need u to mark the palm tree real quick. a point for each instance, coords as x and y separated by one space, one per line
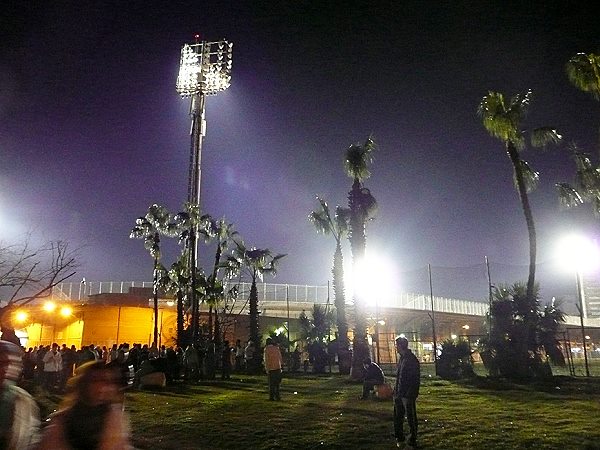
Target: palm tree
523 336
337 226
189 221
503 120
157 221
255 263
223 233
583 71
177 282
314 333
586 186
362 207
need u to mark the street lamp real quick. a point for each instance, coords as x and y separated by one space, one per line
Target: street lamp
204 69
579 254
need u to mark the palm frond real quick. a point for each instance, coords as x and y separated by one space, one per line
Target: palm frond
500 121
568 196
583 71
342 220
542 136
320 221
358 158
530 176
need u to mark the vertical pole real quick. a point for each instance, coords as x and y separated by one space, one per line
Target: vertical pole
433 320
198 130
328 327
118 325
489 277
155 295
377 326
581 313
287 301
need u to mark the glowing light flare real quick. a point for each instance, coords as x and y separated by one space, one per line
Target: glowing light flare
372 279
21 316
49 307
66 311
578 253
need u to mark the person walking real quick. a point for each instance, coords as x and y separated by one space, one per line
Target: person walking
91 416
19 413
408 381
273 365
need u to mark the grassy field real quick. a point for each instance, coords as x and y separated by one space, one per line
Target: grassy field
324 412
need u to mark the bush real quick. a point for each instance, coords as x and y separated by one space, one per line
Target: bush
455 360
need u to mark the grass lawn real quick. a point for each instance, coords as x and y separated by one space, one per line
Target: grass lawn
324 412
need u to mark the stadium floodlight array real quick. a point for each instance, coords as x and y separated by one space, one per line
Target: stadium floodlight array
205 68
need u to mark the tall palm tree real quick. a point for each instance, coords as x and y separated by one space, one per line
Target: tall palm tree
223 233
583 71
338 227
189 222
157 221
255 263
503 120
586 186
362 207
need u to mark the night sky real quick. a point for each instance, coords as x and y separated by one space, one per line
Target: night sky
92 131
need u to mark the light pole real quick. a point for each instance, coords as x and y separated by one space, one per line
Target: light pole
579 254
204 70
581 298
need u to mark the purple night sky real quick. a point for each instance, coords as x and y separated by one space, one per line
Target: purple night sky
93 131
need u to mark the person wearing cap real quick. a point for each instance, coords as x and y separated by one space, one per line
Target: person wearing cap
19 413
408 381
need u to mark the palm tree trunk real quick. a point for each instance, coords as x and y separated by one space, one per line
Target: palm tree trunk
358 243
516 162
180 319
344 361
210 323
254 331
155 298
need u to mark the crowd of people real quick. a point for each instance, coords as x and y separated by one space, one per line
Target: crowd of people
52 366
93 377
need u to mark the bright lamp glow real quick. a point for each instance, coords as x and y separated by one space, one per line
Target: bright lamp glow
204 68
66 311
371 279
49 306
577 253
21 316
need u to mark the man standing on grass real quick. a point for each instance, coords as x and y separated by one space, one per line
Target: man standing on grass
273 364
408 380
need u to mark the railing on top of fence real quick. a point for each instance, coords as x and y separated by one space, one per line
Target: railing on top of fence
273 292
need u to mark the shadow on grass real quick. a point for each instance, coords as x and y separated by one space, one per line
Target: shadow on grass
557 385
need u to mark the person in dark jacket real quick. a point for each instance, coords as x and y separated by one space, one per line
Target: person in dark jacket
373 377
408 381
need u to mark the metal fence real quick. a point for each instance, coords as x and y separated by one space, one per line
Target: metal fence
274 292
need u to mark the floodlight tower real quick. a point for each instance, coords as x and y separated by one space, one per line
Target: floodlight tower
204 70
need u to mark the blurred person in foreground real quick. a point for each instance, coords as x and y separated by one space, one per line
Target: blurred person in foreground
19 414
91 415
408 381
273 365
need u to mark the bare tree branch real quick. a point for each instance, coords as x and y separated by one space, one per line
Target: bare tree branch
27 273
